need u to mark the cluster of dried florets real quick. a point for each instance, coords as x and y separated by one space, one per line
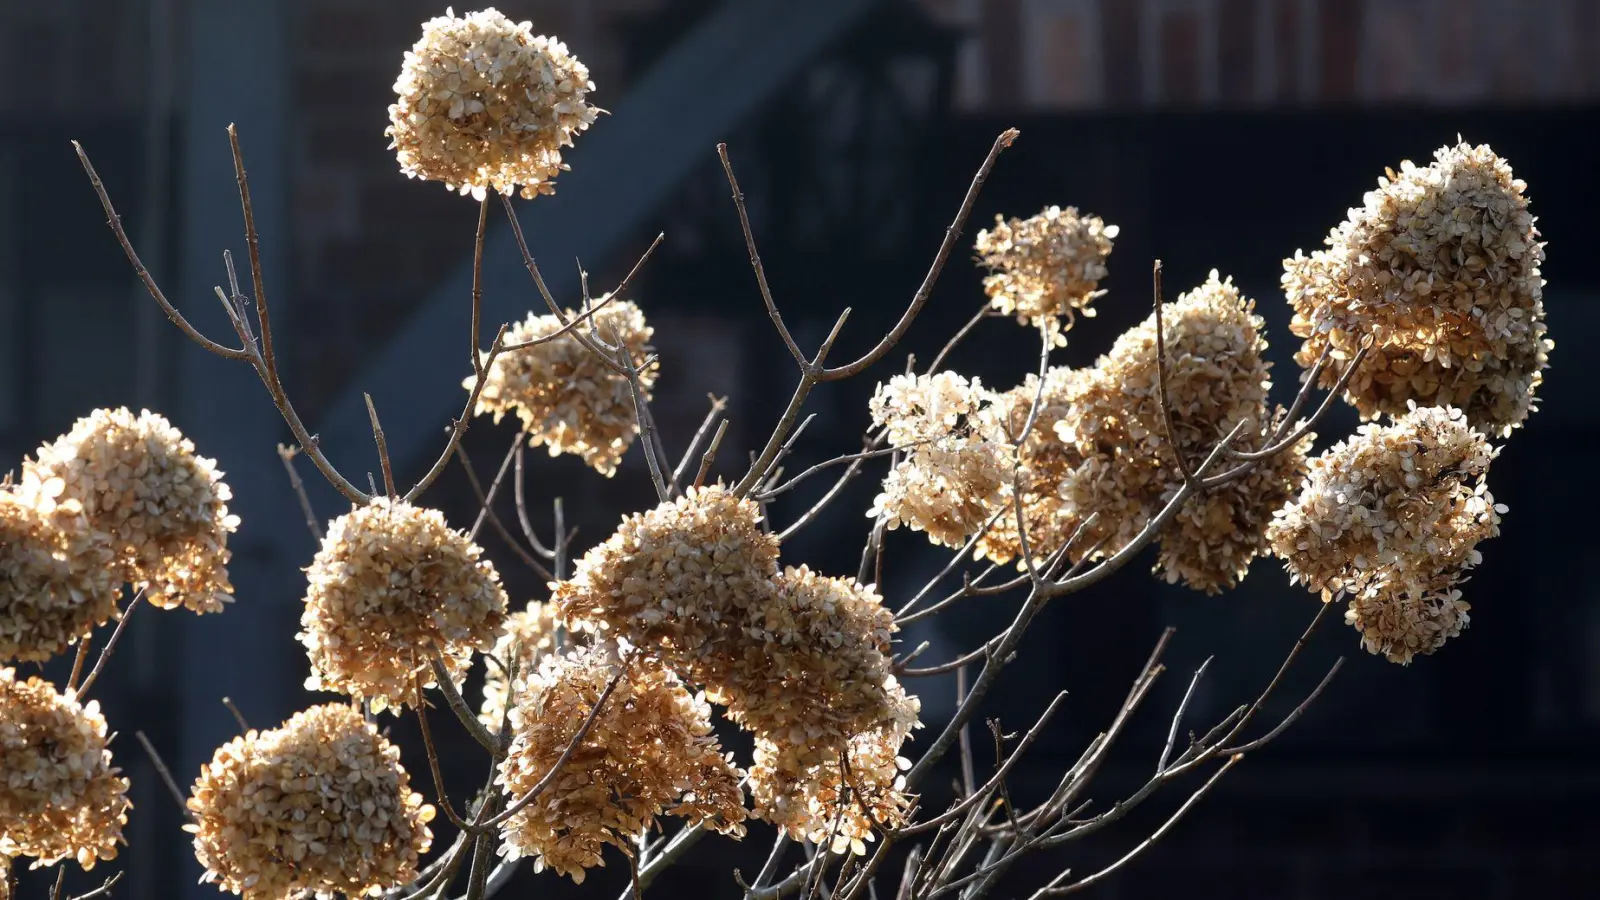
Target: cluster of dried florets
650 752
320 804
56 582
162 508
1098 463
484 104
1045 464
798 658
1392 518
951 476
838 797
391 584
1440 271
60 796
530 636
569 399
1046 267
679 580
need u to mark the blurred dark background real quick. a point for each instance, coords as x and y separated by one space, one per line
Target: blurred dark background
1217 133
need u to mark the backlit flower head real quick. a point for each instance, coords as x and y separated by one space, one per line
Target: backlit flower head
1046 267
320 804
1439 271
56 582
390 582
485 104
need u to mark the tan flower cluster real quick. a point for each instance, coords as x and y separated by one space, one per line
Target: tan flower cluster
534 632
677 581
320 804
60 796
1392 518
1046 463
650 752
390 581
568 398
812 669
1045 267
163 509
484 104
56 582
1440 270
838 799
799 659
951 476
1099 445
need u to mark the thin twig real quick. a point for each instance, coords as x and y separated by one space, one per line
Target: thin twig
458 428
1177 718
111 644
78 660
486 508
755 260
383 447
477 286
441 677
522 506
238 717
710 454
103 890
287 453
718 404
164 772
951 235
1161 378
433 758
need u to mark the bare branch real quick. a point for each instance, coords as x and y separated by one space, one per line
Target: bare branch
238 717
111 644
718 404
286 453
164 772
477 287
710 454
1161 379
921 297
115 221
383 447
1177 718
459 427
755 260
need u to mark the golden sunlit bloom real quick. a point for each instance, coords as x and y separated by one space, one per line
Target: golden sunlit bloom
162 508
1047 267
1439 270
533 632
651 752
566 397
390 582
56 581
60 796
1391 518
320 804
485 104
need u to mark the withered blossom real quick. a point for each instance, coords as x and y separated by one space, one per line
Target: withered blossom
650 752
162 508
60 796
1391 517
1439 271
391 581
1046 268
56 581
320 804
531 635
566 397
485 104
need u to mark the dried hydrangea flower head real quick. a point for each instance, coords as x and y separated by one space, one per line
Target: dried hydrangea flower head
810 668
839 801
60 797
56 582
320 804
1046 463
1217 376
163 508
1046 267
485 104
531 635
1392 518
1440 270
390 581
950 477
650 752
567 398
676 580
